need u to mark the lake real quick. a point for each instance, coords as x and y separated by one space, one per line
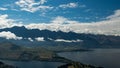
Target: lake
33 64
107 58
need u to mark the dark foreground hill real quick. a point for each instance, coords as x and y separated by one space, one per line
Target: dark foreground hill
3 65
77 65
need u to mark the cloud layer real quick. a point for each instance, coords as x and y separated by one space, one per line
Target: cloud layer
110 26
8 35
40 39
62 40
5 22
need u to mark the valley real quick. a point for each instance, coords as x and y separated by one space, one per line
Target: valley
10 51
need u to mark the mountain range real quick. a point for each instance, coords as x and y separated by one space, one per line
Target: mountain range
50 37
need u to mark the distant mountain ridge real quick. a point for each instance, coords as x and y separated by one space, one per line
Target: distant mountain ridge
88 39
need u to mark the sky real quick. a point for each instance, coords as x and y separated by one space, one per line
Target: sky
80 16
36 11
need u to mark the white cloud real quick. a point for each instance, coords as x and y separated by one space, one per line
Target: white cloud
3 9
59 20
42 1
50 39
5 22
69 5
30 39
111 26
62 40
40 39
9 35
32 6
114 16
59 23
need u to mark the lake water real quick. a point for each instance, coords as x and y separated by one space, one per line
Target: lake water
107 58
33 64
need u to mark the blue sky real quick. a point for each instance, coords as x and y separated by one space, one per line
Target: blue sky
77 10
79 16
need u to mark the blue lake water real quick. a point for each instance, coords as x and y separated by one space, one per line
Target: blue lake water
108 58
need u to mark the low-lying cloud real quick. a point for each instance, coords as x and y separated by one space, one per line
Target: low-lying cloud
63 40
8 35
39 39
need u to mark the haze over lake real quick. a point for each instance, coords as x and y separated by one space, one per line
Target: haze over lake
108 58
